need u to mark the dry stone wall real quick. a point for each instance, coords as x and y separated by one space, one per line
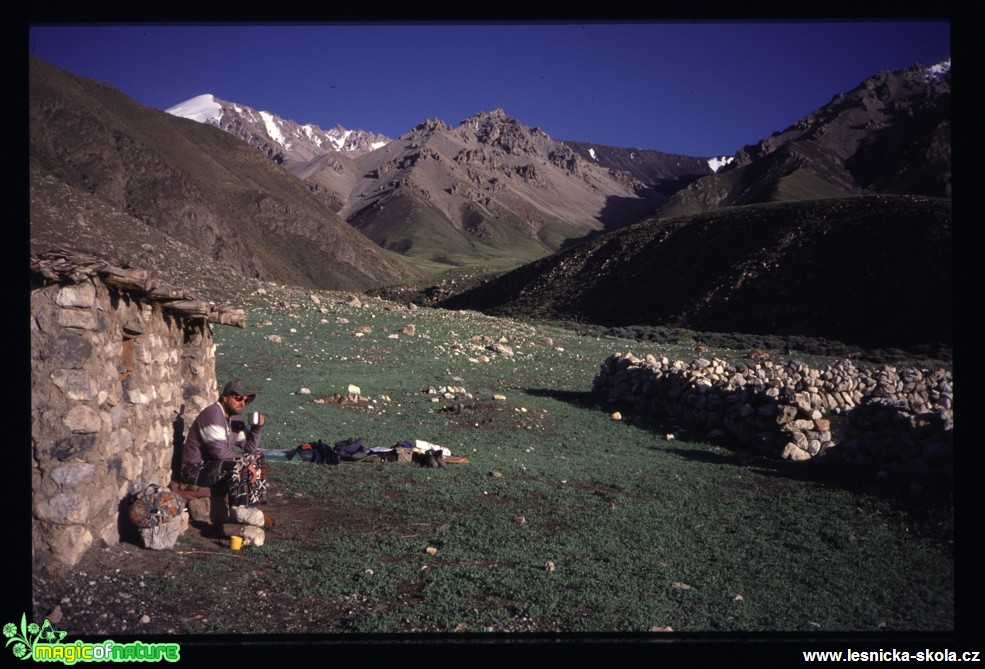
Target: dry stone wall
115 381
899 421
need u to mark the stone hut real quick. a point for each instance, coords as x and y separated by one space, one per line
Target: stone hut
120 361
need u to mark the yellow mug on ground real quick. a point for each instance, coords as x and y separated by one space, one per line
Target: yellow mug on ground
235 542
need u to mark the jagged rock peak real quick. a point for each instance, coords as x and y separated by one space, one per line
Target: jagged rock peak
497 114
498 117
426 129
496 128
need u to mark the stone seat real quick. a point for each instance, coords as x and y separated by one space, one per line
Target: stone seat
205 504
211 505
189 491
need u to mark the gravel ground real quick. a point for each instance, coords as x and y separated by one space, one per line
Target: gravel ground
129 590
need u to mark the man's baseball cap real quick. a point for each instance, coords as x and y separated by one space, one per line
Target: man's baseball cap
238 387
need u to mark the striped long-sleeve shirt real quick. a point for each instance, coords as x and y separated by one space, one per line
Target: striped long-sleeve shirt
213 436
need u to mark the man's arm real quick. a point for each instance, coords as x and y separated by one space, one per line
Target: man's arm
247 438
252 442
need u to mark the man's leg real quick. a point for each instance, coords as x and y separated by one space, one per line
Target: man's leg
248 480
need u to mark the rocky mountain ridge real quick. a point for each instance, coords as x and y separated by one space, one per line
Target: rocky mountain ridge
890 134
665 172
490 187
493 188
281 140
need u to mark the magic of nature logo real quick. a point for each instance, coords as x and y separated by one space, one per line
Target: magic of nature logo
44 643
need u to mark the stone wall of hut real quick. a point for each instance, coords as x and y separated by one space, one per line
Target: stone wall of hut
897 421
115 380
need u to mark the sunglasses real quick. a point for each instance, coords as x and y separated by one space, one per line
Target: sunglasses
241 398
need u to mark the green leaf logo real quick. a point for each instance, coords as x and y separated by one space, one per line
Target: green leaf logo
24 638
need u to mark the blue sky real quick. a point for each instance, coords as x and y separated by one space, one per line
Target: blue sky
695 88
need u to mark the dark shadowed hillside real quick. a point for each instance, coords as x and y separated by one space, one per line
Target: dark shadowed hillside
192 182
872 271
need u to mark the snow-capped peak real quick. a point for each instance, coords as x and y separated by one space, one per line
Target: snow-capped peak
271 123
718 162
202 108
939 70
272 134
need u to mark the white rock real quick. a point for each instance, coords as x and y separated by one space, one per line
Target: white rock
254 536
247 515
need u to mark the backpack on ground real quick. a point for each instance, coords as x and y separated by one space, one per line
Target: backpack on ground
157 514
318 452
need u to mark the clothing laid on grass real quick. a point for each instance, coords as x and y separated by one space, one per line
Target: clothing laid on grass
353 450
209 456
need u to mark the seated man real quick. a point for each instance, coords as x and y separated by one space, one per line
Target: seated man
208 457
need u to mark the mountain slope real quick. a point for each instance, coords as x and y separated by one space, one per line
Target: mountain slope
196 184
873 271
891 134
664 173
491 189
